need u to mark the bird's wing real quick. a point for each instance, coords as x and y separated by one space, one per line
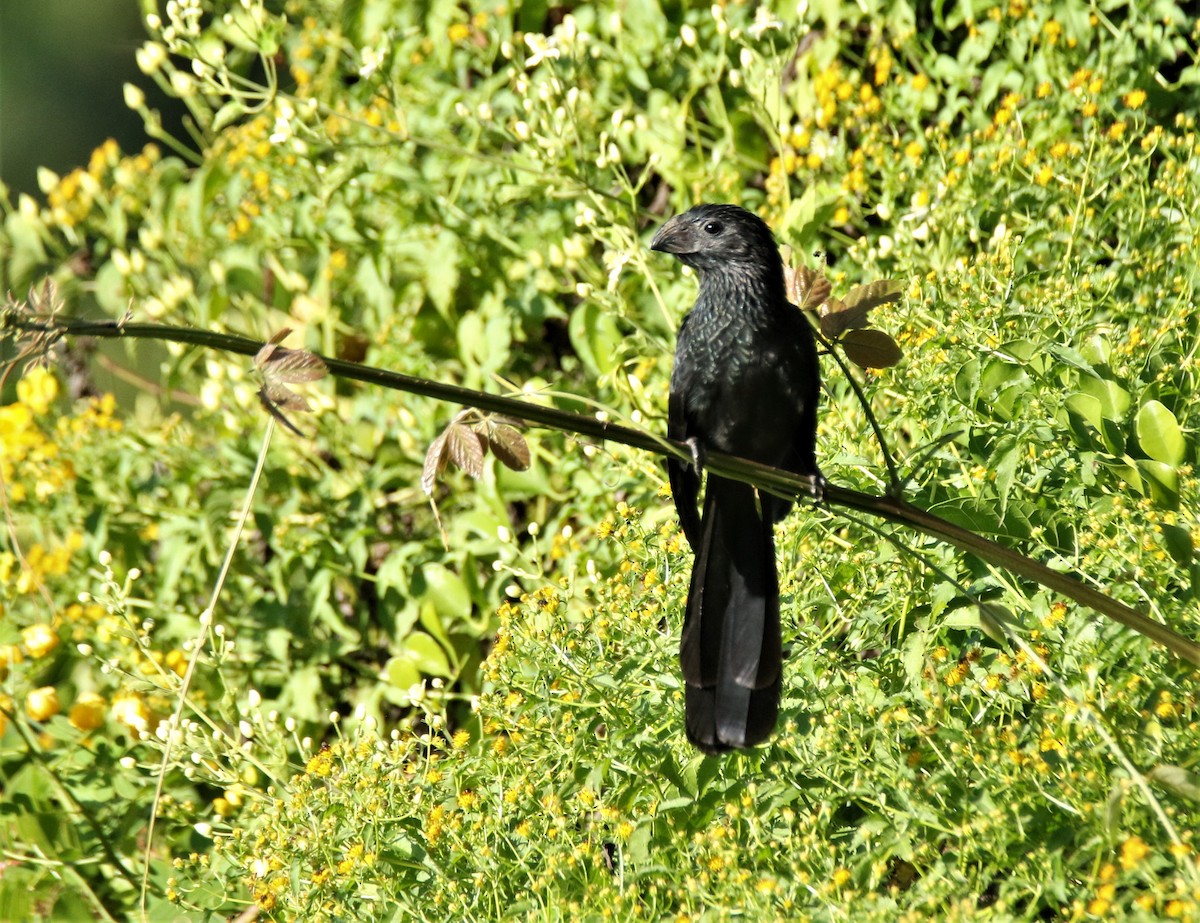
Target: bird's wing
684 478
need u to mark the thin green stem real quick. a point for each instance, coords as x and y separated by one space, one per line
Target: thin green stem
175 726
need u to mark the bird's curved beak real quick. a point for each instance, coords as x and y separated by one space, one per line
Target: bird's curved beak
671 237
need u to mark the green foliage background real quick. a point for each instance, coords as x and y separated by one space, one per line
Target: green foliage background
385 726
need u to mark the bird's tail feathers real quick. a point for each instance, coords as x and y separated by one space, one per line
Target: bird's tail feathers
730 650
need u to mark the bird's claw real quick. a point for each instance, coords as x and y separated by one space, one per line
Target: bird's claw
817 487
698 453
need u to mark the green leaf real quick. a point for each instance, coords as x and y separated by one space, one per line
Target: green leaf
446 590
1182 782
441 271
1159 434
227 114
1114 400
595 336
1179 543
1088 407
427 655
401 673
1162 482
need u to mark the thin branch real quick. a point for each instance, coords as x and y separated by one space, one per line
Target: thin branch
774 480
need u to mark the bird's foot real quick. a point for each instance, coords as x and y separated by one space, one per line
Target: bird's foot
817 487
698 453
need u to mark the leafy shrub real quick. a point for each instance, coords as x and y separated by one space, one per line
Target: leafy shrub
461 192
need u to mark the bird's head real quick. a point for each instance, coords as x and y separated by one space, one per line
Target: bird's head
719 238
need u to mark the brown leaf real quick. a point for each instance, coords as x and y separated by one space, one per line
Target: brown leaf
279 367
509 446
835 323
806 288
873 294
263 356
871 349
293 365
851 313
435 463
273 400
465 447
284 398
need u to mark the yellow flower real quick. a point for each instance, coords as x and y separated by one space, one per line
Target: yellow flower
9 654
39 640
1135 99
37 390
87 713
840 877
321 763
42 704
176 661
131 711
1133 851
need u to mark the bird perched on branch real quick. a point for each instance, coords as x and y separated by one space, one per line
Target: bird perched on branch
745 383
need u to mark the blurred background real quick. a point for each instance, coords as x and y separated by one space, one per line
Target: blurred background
62 67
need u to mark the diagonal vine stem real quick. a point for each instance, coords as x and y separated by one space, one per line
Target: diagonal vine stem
792 486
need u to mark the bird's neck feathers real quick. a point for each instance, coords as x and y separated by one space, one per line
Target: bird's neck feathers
753 288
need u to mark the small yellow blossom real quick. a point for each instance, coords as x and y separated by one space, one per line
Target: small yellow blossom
1133 851
37 390
130 710
9 654
39 640
42 704
87 713
1134 99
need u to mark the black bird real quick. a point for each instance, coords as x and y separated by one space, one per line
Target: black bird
745 383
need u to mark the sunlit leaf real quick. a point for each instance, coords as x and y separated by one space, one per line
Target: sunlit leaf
427 655
1114 400
806 288
1159 434
284 398
435 463
851 312
871 349
873 294
295 365
279 367
465 448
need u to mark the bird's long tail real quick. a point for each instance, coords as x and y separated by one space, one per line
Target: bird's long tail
730 650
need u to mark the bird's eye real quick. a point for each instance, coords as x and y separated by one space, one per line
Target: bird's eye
713 227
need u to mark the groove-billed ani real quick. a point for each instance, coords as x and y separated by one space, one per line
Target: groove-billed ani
745 383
